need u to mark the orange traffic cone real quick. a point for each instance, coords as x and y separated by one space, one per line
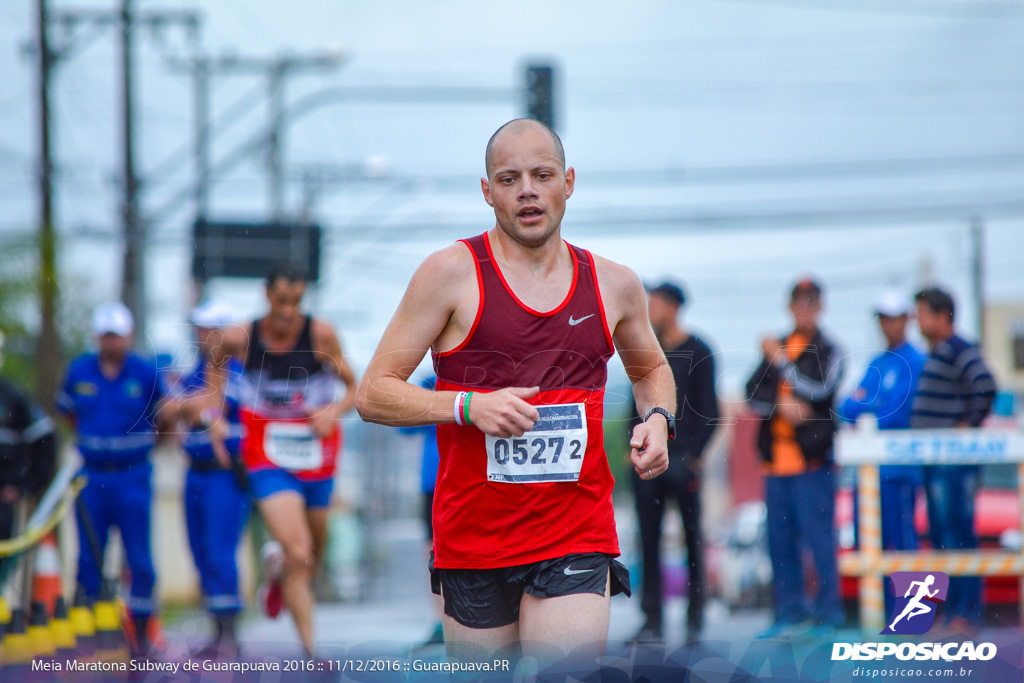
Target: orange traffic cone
46 586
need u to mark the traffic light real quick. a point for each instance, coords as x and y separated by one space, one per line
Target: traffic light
540 103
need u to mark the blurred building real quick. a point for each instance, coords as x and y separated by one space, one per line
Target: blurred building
1004 344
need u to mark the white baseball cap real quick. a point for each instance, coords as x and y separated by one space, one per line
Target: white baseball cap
112 317
893 303
212 314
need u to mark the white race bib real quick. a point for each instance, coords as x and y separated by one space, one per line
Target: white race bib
293 446
551 451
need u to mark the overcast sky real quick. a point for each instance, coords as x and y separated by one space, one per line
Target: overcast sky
788 120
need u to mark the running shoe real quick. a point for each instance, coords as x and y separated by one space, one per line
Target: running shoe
269 595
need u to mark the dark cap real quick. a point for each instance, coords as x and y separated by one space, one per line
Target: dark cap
806 287
670 291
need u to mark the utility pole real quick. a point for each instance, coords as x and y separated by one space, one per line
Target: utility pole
200 68
978 273
48 356
201 94
126 20
275 132
276 71
133 283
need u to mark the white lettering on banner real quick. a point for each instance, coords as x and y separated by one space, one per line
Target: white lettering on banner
930 447
293 446
939 449
552 451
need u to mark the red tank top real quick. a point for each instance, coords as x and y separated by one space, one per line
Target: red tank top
506 502
276 393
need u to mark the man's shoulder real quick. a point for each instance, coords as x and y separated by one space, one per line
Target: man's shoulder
441 274
951 349
455 259
606 266
616 280
700 347
137 362
823 341
142 368
911 353
958 345
83 364
320 329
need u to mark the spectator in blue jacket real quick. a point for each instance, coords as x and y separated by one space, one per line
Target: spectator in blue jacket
887 393
112 397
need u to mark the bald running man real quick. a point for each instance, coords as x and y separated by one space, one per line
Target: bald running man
521 325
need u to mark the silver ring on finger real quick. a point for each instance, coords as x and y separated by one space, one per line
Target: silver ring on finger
650 475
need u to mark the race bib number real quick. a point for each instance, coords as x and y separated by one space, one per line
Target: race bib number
552 451
293 446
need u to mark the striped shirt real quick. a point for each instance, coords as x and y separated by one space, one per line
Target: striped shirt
955 387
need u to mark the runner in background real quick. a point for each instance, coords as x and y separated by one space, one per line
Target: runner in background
216 500
295 387
112 398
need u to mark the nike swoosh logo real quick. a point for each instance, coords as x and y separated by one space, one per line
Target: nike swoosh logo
569 571
574 323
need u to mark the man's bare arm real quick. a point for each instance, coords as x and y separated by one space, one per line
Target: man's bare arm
427 311
234 343
653 384
326 343
384 395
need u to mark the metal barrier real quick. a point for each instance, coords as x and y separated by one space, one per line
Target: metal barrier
868 448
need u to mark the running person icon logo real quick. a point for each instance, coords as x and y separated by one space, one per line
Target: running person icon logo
917 597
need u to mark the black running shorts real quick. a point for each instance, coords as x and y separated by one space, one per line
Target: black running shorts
489 598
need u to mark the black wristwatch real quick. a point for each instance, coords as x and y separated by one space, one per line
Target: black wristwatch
669 417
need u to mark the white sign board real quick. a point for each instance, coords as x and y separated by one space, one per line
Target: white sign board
930 447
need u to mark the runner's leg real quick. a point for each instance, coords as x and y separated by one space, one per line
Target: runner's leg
477 644
317 518
565 624
285 516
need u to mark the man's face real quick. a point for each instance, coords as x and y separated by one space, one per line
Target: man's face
805 310
113 346
933 325
528 185
661 311
285 298
894 328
